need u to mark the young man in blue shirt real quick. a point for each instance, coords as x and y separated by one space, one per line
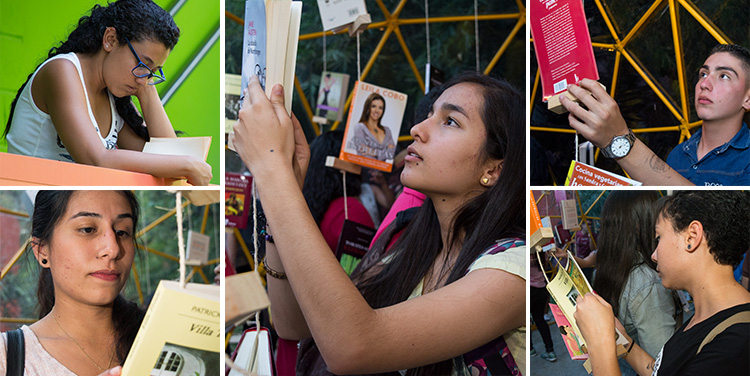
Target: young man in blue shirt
717 154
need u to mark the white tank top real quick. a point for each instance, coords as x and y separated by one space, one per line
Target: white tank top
32 132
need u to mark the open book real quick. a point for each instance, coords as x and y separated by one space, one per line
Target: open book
181 331
196 147
270 44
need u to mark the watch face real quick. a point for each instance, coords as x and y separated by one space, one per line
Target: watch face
620 147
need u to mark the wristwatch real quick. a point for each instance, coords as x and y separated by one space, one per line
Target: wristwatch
620 146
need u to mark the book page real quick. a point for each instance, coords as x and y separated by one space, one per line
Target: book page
196 147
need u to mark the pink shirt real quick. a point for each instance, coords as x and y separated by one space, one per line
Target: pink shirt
408 198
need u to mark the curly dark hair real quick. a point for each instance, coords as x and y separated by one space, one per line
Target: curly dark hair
324 184
725 216
136 20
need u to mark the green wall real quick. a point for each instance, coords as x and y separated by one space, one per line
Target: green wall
28 29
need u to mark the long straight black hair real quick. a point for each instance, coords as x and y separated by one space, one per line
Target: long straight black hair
49 207
626 241
136 20
494 214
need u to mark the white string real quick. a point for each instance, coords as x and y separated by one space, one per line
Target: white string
180 241
255 228
359 69
325 57
427 27
346 205
476 32
576 146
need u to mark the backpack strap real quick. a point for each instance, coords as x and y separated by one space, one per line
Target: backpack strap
496 355
15 355
737 318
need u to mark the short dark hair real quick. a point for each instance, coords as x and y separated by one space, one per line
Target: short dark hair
725 216
741 53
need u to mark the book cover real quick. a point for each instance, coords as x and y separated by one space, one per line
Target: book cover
197 248
338 14
354 242
569 213
562 44
373 126
574 344
237 199
581 174
253 353
245 295
331 97
181 333
232 102
254 43
196 147
272 56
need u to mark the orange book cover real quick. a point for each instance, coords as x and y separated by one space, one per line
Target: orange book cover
581 174
364 146
535 221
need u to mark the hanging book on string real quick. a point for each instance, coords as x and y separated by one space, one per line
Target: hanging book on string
337 15
562 45
331 97
373 126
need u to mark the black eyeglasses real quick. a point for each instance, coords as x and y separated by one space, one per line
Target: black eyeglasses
142 70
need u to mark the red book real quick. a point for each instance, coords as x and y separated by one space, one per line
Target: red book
562 44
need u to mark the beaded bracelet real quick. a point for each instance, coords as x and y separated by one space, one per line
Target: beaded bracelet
273 273
264 233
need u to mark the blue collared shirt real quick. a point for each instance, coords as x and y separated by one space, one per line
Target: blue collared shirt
728 164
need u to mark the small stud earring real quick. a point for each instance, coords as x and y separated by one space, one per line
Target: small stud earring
688 246
44 261
485 180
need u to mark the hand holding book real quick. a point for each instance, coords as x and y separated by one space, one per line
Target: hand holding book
595 320
600 120
266 137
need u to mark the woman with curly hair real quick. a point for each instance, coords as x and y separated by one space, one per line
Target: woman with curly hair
700 237
76 106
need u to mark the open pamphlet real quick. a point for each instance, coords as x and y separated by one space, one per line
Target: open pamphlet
565 287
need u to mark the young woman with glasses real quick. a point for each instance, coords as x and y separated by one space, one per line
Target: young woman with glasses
76 106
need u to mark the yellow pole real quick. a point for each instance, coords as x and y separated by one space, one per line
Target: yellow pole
369 65
658 4
205 219
243 245
706 22
409 59
501 51
674 18
533 91
137 281
306 104
15 258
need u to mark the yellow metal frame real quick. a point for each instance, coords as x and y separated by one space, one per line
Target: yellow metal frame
136 278
680 110
390 26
